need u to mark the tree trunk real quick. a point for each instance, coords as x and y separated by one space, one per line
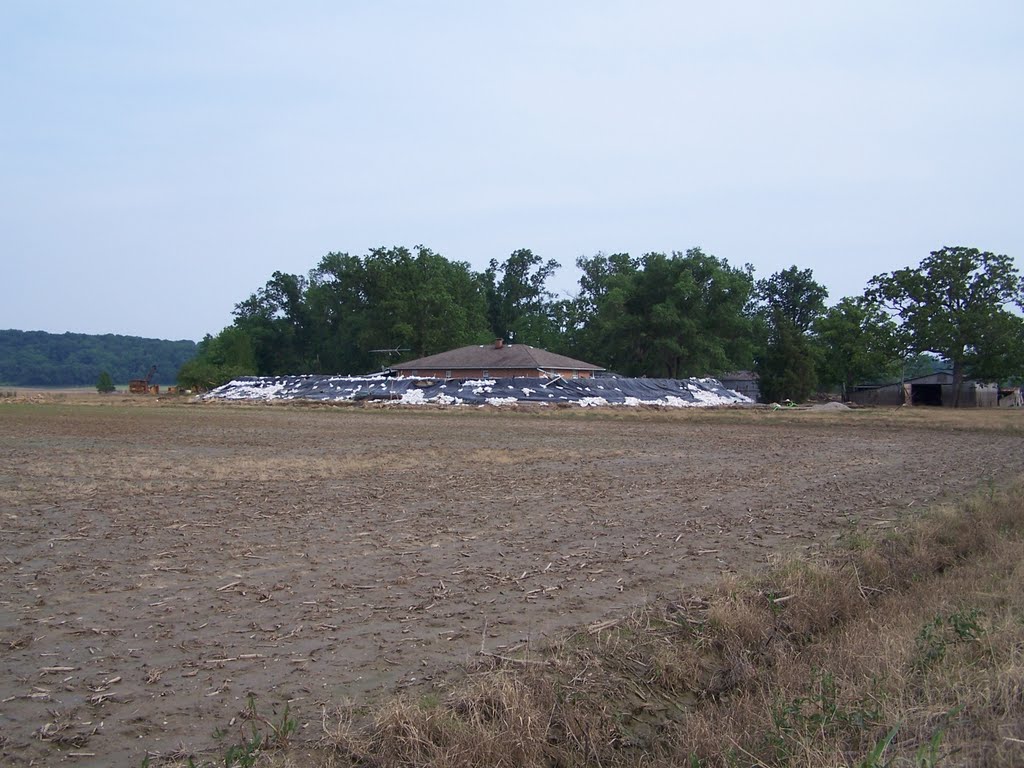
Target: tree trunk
904 400
958 378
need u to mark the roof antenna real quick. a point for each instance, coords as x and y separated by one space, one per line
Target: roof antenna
389 353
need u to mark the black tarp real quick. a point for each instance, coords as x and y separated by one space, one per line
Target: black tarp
413 391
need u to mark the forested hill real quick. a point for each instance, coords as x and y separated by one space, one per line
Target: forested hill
37 358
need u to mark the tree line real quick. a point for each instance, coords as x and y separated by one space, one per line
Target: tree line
41 359
670 315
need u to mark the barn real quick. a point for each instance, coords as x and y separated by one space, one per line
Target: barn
497 360
934 389
747 383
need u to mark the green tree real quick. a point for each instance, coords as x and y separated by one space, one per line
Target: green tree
795 295
219 359
790 303
37 358
673 316
421 301
565 329
956 304
408 302
997 353
414 302
587 319
339 302
786 367
104 383
922 364
276 319
858 342
519 305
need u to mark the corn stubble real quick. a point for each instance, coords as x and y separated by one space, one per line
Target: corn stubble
903 650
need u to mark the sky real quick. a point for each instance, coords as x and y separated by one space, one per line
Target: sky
160 160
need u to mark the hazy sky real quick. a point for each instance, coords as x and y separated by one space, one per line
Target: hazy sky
159 160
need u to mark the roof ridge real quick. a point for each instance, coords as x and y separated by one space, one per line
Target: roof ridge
488 356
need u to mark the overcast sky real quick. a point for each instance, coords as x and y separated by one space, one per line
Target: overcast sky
159 160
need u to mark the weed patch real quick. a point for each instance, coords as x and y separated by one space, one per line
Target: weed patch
257 735
941 632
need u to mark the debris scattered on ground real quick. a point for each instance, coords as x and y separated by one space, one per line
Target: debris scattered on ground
163 564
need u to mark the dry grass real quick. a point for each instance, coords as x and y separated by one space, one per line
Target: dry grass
902 651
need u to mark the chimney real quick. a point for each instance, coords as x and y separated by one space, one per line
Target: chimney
499 343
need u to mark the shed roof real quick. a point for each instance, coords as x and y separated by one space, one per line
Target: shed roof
936 377
739 376
492 358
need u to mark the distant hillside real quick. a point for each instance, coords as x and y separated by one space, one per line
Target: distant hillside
40 359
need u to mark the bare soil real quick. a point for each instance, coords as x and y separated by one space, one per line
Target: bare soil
162 561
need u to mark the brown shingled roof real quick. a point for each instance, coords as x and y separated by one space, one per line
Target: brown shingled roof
491 358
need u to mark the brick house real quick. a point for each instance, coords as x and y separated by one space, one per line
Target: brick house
497 360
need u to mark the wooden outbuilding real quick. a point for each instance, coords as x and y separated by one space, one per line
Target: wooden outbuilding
497 360
747 383
934 389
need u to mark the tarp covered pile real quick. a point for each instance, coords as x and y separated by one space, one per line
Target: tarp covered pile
679 393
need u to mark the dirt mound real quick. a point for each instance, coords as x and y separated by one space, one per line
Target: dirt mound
830 407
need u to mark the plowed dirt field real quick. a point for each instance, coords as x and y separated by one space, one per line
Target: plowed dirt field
160 563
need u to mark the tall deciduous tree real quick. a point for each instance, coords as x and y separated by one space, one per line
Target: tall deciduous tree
414 302
956 304
666 315
786 366
998 352
518 300
858 341
277 321
795 295
790 302
587 316
421 302
339 300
